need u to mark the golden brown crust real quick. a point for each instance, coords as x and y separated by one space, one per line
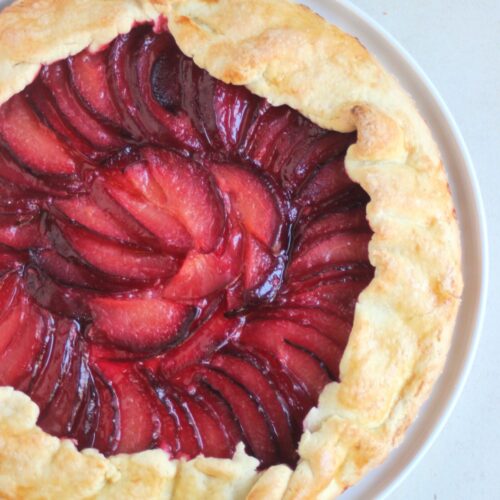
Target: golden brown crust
403 320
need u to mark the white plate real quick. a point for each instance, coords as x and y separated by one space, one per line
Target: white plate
464 186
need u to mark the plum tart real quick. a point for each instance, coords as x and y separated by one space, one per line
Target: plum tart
229 260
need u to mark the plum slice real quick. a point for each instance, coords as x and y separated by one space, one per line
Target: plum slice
254 381
310 147
72 273
287 387
89 77
258 263
56 365
137 414
130 67
86 212
327 182
338 298
328 223
11 260
18 360
256 428
203 274
12 308
19 177
59 416
324 322
140 195
141 324
85 425
108 430
212 439
186 431
268 126
116 259
335 249
34 144
220 408
50 295
56 78
44 104
234 108
22 235
300 352
255 202
191 196
201 343
158 55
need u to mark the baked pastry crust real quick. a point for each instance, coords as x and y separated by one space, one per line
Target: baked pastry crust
404 319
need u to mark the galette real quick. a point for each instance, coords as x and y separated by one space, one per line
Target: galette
229 258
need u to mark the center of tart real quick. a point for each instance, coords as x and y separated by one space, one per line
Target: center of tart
180 260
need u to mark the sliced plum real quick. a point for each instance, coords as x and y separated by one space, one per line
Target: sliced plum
141 196
254 200
338 298
18 360
335 249
200 344
212 439
33 143
203 274
138 417
179 260
191 196
324 322
265 131
314 147
326 183
89 77
117 259
10 287
11 260
302 355
71 272
22 235
86 212
218 407
57 363
108 428
45 106
48 294
141 324
187 433
234 108
257 430
85 426
286 385
56 77
253 380
168 123
258 263
59 416
168 436
23 181
328 223
13 309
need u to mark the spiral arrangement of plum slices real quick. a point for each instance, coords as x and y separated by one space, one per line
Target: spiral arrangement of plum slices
180 260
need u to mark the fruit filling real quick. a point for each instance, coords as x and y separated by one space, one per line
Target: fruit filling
180 260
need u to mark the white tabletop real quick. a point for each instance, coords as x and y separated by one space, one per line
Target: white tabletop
457 43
